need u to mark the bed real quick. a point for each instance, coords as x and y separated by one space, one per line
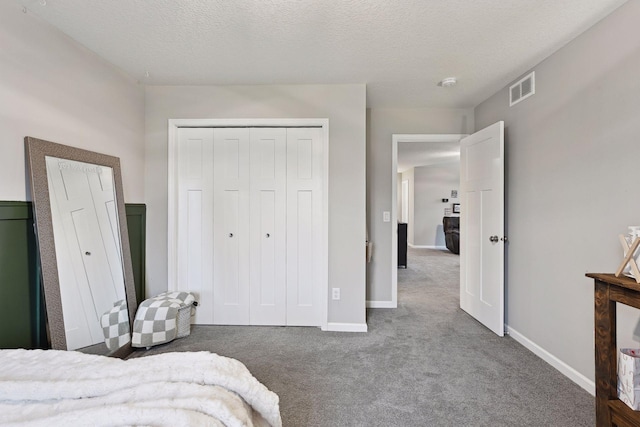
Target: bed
53 387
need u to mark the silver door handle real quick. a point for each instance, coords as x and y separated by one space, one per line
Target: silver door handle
494 239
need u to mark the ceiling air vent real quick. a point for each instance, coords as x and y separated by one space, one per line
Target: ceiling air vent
522 89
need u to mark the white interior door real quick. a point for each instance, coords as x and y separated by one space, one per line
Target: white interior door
304 226
231 226
268 226
482 226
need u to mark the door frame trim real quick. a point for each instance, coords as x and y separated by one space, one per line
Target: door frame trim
172 205
395 139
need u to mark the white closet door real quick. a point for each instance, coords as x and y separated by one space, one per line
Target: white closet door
195 218
268 226
304 226
231 240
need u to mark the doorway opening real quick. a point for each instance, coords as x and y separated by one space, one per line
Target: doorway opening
437 155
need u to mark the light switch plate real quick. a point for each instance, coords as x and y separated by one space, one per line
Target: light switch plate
386 216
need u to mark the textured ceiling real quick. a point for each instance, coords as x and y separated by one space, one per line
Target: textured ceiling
399 48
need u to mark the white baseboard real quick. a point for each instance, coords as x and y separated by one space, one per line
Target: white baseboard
347 327
381 304
552 360
425 246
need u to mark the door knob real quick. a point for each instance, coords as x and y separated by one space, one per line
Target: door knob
230 234
87 253
494 239
268 235
504 239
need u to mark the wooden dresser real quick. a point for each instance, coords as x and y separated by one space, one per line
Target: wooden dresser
608 290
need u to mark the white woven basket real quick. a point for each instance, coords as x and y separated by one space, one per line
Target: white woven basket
184 320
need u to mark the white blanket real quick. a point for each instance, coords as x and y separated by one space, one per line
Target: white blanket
51 388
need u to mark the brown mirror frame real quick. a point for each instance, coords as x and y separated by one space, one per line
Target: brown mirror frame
37 150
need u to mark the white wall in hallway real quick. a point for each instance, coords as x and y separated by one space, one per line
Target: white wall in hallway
408 176
432 184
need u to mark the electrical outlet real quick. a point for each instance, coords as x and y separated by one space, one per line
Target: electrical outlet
335 293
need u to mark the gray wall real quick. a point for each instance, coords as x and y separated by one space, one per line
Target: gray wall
53 88
431 184
343 105
572 157
381 124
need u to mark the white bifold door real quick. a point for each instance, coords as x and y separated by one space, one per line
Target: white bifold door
249 224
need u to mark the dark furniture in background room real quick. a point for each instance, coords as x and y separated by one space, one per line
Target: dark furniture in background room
402 245
451 226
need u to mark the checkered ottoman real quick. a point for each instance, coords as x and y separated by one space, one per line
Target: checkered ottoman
157 319
115 325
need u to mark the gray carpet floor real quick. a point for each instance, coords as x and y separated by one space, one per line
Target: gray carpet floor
426 363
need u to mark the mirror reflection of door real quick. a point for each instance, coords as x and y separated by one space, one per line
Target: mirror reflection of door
89 257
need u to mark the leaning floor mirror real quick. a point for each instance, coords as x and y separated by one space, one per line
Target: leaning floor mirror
83 242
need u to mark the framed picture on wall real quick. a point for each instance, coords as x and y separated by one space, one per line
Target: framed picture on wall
456 208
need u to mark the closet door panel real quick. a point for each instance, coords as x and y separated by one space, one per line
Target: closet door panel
229 265
304 226
304 249
265 276
231 239
193 254
195 213
268 239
